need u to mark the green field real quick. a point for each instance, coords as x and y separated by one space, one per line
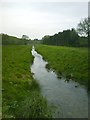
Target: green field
0 81
21 96
69 62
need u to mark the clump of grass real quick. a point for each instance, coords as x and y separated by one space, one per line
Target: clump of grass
48 67
21 96
34 106
68 61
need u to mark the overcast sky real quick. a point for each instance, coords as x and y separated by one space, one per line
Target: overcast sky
37 19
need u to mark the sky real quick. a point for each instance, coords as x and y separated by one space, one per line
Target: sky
39 18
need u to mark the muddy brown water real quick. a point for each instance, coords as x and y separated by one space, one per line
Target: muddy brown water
69 101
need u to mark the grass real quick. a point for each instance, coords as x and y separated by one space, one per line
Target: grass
0 81
21 96
69 62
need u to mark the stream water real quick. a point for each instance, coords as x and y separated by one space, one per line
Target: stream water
70 101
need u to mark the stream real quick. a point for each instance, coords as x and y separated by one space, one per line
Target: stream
69 101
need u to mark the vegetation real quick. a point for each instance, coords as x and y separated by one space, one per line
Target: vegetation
66 38
0 81
11 40
25 37
36 41
21 96
84 27
69 62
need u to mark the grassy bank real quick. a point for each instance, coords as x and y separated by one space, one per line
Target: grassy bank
67 61
20 92
0 81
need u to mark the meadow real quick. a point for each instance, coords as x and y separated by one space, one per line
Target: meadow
0 81
21 97
69 62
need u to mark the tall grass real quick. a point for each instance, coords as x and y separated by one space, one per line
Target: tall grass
0 80
67 61
20 92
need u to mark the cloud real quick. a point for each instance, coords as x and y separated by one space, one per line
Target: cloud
37 19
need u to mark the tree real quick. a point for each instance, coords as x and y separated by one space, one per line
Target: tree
45 39
65 38
25 37
84 27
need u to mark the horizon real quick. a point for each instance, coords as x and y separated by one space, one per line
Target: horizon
37 19
34 38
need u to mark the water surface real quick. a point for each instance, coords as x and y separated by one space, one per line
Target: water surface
70 101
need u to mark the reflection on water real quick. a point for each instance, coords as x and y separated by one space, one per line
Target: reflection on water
71 101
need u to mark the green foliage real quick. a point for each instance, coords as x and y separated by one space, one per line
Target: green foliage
83 42
21 96
25 37
36 41
65 38
84 27
69 62
11 40
0 81
33 107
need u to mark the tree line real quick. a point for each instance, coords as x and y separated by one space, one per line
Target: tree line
66 38
75 38
11 40
70 37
